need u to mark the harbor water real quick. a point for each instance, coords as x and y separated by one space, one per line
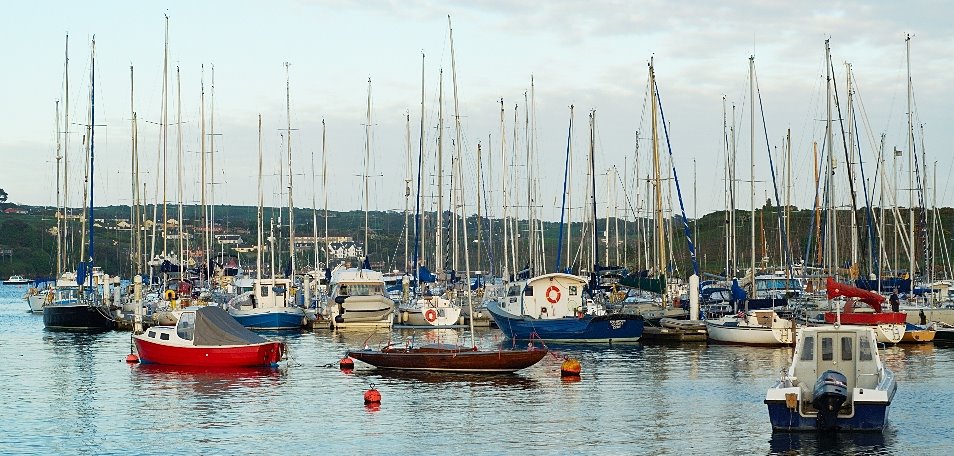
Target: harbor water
73 393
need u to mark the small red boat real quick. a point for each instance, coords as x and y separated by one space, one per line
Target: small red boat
207 337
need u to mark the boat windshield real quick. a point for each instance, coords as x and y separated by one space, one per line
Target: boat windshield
186 327
780 283
361 289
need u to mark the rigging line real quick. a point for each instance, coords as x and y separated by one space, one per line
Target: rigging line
787 253
685 222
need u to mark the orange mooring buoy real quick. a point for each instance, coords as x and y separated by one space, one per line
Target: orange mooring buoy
346 363
570 368
132 358
372 396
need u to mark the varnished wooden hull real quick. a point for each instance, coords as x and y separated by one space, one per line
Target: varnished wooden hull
450 360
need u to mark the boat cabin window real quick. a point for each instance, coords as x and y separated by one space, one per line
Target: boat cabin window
828 349
808 349
263 290
164 336
864 349
528 291
846 349
513 290
152 334
186 327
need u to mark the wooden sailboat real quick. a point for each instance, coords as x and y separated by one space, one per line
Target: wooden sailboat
452 358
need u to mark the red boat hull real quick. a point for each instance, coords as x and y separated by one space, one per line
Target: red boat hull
868 318
254 355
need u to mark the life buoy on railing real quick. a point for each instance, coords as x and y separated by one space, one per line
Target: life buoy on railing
170 295
430 315
555 290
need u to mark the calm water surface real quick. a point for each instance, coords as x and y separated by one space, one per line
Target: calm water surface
74 394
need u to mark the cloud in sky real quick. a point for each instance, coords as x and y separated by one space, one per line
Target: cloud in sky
593 55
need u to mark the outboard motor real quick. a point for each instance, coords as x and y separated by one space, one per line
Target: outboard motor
830 393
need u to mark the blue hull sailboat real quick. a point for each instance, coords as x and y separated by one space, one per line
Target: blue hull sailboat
552 307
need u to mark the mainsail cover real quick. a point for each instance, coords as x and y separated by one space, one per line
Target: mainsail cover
651 284
215 327
836 289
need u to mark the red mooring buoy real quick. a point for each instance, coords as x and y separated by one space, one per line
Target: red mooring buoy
372 396
570 368
132 358
346 363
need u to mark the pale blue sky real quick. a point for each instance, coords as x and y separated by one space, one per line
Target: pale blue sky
589 54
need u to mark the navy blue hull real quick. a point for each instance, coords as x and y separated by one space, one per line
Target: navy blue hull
276 319
77 317
589 328
867 417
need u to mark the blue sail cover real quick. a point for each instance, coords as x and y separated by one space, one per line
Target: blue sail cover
426 276
738 293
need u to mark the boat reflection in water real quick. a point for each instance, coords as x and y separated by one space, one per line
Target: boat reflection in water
833 443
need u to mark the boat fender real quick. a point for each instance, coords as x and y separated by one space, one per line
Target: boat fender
570 368
430 315
555 291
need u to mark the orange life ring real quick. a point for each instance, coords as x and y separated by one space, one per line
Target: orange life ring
555 289
430 315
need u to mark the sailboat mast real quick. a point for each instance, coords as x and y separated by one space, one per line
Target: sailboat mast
179 168
258 210
324 187
407 189
66 150
291 203
92 156
910 134
752 167
593 241
314 208
205 208
831 247
59 227
367 164
659 222
504 178
418 217
133 205
439 233
165 142
212 182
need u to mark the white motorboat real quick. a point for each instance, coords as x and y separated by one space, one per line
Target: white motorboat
836 382
356 298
